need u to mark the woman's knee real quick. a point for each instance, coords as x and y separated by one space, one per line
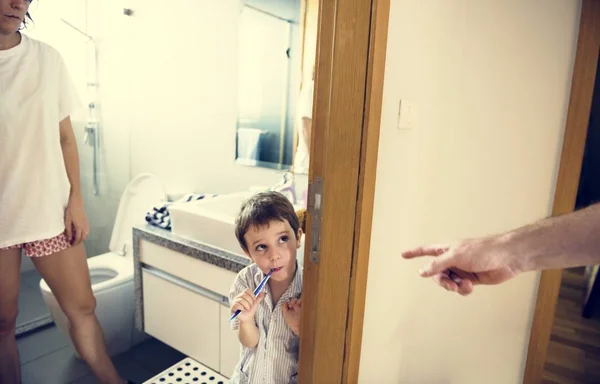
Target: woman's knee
80 308
8 320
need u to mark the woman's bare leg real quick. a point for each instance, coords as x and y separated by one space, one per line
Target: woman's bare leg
10 275
67 275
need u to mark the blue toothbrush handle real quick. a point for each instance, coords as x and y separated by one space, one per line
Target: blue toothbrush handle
255 293
235 315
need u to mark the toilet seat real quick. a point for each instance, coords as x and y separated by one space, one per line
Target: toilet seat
122 267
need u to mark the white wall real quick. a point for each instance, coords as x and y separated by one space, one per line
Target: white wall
490 81
167 88
166 97
181 93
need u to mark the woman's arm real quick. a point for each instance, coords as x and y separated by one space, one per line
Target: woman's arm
70 155
76 223
306 128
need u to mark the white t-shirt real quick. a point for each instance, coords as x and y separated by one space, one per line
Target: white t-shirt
36 93
305 109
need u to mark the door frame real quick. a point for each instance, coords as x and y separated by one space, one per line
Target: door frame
567 184
349 71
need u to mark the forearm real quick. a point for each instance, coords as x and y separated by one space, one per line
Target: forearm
306 129
248 334
565 241
68 144
71 160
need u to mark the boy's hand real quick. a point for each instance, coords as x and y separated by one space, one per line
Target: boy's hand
247 303
291 314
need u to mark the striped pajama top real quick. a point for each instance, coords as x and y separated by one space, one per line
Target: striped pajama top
275 358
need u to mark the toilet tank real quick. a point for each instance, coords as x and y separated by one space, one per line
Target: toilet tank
141 194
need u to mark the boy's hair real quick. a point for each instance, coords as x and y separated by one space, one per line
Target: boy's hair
261 209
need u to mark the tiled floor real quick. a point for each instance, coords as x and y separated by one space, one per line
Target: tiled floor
48 358
33 312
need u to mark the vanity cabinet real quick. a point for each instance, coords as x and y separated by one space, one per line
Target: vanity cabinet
185 305
230 344
181 318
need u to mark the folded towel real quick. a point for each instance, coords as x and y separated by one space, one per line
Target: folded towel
159 215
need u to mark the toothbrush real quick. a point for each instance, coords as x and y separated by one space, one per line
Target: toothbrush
256 292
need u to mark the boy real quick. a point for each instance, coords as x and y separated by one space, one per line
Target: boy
268 327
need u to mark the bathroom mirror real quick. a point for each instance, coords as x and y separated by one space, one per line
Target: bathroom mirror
276 51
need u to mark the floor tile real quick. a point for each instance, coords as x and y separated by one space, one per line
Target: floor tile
58 367
88 379
40 343
131 370
31 278
47 357
31 306
127 368
155 356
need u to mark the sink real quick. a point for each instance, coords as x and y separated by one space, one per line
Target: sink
212 221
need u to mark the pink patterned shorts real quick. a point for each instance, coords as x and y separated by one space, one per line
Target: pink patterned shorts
45 247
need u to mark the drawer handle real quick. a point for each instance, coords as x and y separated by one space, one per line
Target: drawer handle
186 284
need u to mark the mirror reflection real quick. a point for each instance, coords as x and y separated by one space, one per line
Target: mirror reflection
275 84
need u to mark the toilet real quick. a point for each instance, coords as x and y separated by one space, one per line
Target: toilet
112 273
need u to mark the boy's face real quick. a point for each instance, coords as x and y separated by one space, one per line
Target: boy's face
274 246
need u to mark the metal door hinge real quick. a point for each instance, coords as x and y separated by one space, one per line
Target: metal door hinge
315 207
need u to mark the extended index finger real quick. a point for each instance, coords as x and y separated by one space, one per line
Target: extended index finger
426 250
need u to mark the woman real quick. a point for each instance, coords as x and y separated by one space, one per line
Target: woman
41 207
304 123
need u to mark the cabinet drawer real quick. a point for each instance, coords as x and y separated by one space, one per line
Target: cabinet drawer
196 271
230 344
182 318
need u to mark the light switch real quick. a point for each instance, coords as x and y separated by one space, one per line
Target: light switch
406 114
